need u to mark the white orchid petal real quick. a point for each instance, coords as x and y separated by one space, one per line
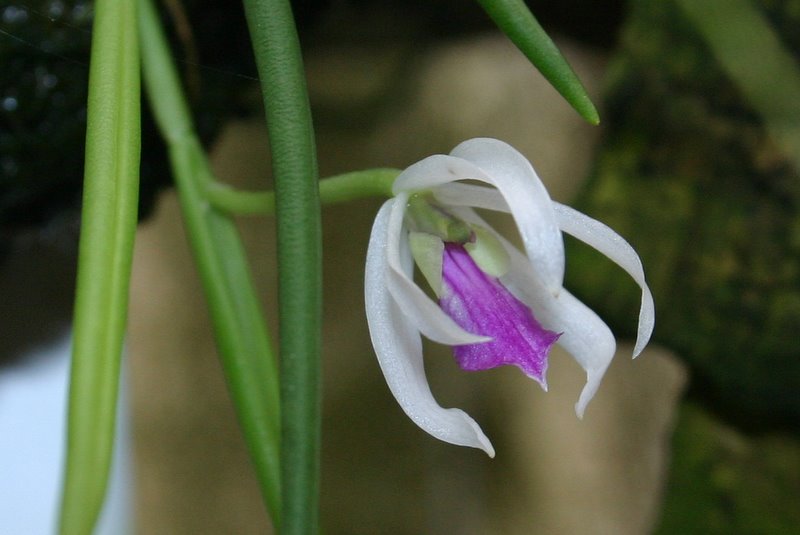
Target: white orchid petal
457 194
614 246
436 170
500 165
528 200
425 314
584 334
399 349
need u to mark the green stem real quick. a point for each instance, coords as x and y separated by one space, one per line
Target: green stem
332 190
280 68
239 326
110 203
515 19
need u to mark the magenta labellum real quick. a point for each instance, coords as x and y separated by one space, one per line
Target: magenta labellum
480 304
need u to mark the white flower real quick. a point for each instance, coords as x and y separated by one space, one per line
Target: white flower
399 311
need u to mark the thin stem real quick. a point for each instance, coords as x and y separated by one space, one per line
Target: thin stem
110 203
280 68
239 326
332 190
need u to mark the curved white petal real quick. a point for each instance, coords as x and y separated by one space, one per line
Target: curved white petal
584 335
399 349
512 174
614 246
582 227
498 164
436 170
458 194
425 314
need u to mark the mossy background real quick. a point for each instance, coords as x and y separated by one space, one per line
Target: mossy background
687 172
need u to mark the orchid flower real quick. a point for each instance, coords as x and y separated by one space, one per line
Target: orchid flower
496 305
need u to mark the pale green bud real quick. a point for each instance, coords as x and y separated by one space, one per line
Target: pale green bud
488 253
427 251
425 215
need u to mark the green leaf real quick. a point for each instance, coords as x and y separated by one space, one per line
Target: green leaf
110 204
294 165
515 19
239 326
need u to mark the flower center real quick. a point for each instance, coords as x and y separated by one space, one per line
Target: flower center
463 264
424 214
431 225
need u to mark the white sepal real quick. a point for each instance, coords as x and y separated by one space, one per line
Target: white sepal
614 246
458 194
576 224
436 170
514 177
583 333
498 164
398 347
426 315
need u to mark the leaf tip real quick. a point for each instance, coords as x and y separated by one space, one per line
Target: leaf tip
589 113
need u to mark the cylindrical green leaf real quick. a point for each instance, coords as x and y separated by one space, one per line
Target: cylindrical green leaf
515 19
239 326
291 135
109 215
